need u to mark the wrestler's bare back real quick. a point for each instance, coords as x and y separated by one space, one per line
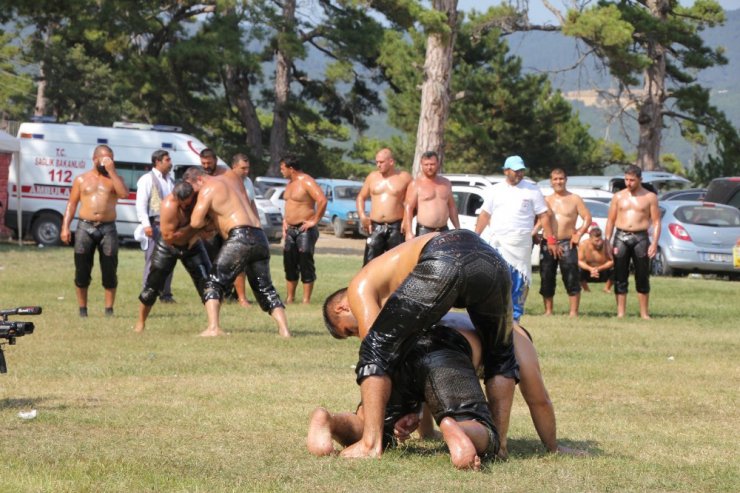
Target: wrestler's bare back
374 284
633 210
226 204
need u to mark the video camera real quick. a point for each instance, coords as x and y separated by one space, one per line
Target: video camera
10 330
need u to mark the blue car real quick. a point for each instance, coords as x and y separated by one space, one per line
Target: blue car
341 207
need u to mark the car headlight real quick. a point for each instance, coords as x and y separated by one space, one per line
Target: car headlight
353 215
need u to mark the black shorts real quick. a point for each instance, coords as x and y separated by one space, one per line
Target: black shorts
164 260
298 254
422 230
631 246
103 237
455 269
384 236
568 263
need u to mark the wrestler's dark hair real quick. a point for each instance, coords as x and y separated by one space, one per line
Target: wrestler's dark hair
207 152
329 303
558 171
159 155
101 147
291 161
238 157
430 155
633 170
182 190
193 173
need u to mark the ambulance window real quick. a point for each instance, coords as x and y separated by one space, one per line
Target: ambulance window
131 172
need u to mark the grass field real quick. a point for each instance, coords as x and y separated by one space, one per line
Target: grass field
655 403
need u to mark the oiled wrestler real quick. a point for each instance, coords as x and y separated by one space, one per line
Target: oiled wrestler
437 367
177 240
412 287
222 201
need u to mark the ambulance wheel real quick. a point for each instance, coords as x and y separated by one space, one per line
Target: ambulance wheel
46 229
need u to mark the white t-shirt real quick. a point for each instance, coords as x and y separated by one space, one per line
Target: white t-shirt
513 208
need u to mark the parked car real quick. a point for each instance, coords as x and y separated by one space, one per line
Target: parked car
480 181
655 181
341 208
686 194
584 193
271 218
262 183
697 237
276 195
724 191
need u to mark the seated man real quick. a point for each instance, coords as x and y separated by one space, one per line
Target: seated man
409 288
595 261
438 367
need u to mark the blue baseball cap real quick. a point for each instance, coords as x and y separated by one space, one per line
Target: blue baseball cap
514 163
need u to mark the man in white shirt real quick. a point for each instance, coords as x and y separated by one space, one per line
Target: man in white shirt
510 210
151 189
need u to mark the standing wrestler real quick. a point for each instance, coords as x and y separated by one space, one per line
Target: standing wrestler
240 166
412 287
595 260
177 240
510 209
386 188
566 207
429 198
305 204
631 212
98 191
222 200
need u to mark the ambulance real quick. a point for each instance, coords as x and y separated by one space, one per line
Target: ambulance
52 155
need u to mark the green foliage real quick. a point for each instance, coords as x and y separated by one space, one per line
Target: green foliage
16 85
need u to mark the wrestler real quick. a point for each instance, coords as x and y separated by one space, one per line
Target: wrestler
429 198
566 207
411 287
386 187
631 212
177 240
97 191
595 260
223 201
305 204
437 367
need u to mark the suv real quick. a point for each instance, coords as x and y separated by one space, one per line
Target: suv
341 209
724 191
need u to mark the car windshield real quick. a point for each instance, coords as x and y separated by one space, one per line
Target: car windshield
708 215
347 192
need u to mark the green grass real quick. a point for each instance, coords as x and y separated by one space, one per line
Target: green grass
656 403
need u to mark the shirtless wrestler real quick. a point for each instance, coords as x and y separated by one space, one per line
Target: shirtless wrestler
412 287
429 198
223 201
566 207
595 260
97 191
305 204
631 212
386 188
177 240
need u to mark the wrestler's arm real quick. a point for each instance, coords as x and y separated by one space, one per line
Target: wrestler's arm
119 186
586 216
483 219
315 192
655 218
453 209
582 260
360 204
545 218
409 209
199 217
69 211
611 220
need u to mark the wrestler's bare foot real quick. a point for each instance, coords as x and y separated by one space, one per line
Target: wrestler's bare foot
213 332
139 327
547 314
606 290
289 300
462 449
319 440
244 302
360 451
306 302
572 451
284 333
573 315
645 316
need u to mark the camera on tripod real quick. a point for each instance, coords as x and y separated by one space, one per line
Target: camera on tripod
10 330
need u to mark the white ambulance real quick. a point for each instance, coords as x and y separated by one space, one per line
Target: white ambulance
52 155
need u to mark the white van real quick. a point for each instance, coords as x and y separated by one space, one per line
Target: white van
52 155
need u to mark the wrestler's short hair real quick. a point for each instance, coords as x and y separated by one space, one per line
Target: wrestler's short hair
100 148
633 170
159 155
558 171
290 161
430 155
208 152
237 158
182 190
329 303
193 173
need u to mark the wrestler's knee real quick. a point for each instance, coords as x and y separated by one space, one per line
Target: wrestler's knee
212 291
149 296
108 267
83 268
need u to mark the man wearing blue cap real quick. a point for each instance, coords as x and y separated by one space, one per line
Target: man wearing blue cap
510 210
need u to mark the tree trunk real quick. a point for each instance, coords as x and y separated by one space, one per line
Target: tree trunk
279 131
237 91
435 92
39 108
650 113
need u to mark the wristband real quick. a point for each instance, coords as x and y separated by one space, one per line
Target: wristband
551 240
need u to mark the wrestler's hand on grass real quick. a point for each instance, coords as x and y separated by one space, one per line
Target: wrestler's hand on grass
405 426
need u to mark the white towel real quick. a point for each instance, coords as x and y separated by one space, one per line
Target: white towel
516 248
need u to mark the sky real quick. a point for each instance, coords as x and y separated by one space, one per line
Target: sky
538 14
